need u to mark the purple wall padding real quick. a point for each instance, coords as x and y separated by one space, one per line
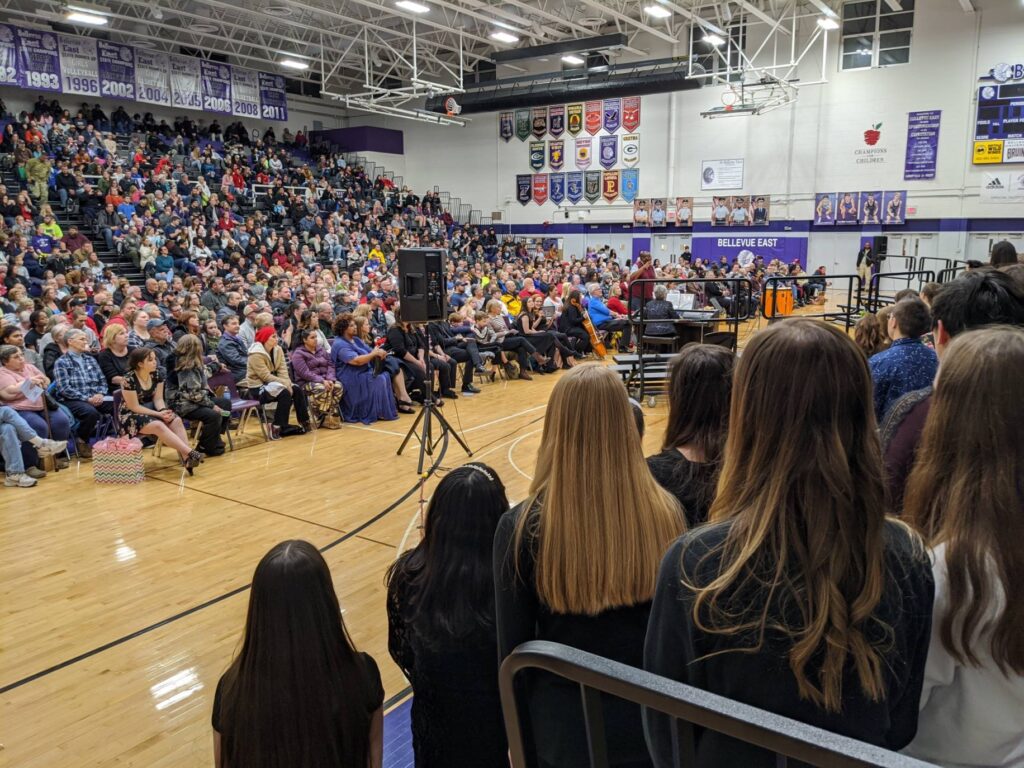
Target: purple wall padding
640 243
363 138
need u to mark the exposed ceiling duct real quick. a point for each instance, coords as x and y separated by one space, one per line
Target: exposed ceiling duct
636 79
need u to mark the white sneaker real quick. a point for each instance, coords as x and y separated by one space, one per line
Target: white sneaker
19 481
51 447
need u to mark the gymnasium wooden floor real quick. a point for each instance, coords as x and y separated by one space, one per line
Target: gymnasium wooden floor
122 606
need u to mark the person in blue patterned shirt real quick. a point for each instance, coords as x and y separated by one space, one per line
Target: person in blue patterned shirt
79 384
908 364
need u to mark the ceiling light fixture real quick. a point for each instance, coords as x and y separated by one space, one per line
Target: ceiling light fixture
713 39
657 11
826 23
503 25
576 61
504 37
83 17
294 64
409 5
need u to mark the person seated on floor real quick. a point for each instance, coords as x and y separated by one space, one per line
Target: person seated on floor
190 396
298 690
22 388
144 411
699 389
441 629
79 384
14 433
267 380
314 372
366 390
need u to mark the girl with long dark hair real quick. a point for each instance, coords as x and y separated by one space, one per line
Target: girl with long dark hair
800 596
298 693
698 418
441 624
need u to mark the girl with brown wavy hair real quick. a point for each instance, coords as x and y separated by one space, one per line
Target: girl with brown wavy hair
800 597
966 497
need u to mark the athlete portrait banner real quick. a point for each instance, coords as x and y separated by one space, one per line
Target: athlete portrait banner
631 149
540 188
186 82
536 155
583 153
216 86
612 115
556 155
893 207
9 55
631 113
273 97
825 209
574 116
79 65
524 188
522 124
592 117
540 121
592 186
38 60
152 82
574 186
117 70
556 120
871 207
505 129
846 209
610 185
609 152
245 93
630 184
557 187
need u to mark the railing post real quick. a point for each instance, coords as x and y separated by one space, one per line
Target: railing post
593 719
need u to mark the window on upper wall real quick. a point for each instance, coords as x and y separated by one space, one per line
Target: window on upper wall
876 33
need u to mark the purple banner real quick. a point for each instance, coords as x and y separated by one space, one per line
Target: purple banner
8 55
38 60
574 186
894 207
922 145
117 70
557 182
273 97
609 151
612 114
216 86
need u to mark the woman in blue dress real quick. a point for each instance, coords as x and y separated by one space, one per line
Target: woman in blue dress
367 397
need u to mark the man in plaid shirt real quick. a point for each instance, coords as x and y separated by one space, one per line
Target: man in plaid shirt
80 385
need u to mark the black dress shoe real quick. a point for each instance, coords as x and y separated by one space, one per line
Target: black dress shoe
291 429
450 394
470 389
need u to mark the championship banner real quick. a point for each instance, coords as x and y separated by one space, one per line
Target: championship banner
556 121
556 155
505 129
245 93
612 114
630 184
540 188
631 149
631 113
152 84
557 182
583 156
79 69
536 155
592 186
216 86
592 118
522 124
574 186
273 97
540 121
9 55
610 185
922 145
186 83
575 118
524 188
609 151
38 60
117 70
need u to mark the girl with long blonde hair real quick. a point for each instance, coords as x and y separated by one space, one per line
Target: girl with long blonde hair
577 561
965 496
800 597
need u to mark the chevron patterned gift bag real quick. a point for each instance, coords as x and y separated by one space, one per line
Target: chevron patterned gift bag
118 461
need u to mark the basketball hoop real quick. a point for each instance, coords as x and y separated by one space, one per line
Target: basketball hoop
729 99
451 107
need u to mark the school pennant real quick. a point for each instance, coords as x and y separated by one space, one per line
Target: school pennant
556 121
574 186
522 124
536 155
592 186
574 114
556 155
592 119
583 156
540 188
524 188
630 184
612 113
540 121
609 151
506 129
610 185
557 187
631 113
631 149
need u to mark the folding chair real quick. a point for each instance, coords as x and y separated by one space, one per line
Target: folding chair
240 407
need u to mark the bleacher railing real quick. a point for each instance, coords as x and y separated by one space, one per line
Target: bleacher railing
772 308
689 708
943 263
874 297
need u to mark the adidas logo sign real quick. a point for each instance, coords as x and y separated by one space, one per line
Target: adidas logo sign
994 184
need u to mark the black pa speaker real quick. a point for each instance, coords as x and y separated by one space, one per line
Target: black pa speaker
422 290
881 245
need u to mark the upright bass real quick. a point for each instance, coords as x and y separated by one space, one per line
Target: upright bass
595 342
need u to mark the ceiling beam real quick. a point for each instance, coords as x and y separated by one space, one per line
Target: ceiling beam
755 11
824 8
604 9
968 6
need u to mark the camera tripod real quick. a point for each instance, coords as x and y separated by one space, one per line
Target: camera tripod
427 415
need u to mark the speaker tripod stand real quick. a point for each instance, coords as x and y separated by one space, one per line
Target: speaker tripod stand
430 413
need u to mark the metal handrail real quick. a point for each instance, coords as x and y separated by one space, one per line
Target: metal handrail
875 284
689 707
854 298
946 263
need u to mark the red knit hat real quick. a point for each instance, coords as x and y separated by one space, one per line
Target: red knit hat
263 334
